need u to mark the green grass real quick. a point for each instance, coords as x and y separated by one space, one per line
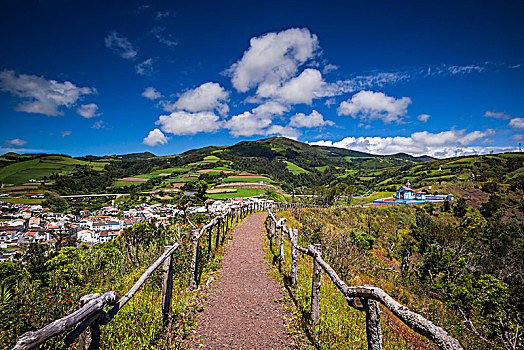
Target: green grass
240 192
126 183
322 168
22 172
211 159
248 179
295 169
22 200
382 194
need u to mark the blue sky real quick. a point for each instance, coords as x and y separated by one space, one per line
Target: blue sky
441 78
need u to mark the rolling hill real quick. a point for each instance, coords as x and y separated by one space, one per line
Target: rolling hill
285 164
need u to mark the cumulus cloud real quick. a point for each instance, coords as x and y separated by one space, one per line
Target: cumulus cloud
257 121
155 137
302 89
185 123
273 58
66 133
206 97
315 119
145 67
151 93
423 117
120 45
444 144
41 96
517 123
285 131
88 110
369 105
15 142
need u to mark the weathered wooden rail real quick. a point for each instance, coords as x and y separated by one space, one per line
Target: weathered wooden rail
363 298
88 319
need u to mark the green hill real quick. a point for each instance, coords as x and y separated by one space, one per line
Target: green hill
288 163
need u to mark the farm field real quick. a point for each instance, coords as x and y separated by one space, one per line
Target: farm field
240 192
295 169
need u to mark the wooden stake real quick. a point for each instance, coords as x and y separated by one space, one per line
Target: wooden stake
167 290
294 257
315 286
194 262
373 331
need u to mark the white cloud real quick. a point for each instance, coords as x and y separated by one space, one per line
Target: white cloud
256 122
160 15
423 117
465 69
329 68
475 135
184 123
98 125
369 105
302 89
155 137
120 45
248 124
368 81
206 97
285 131
145 68
517 123
158 31
88 110
315 119
66 133
15 142
496 115
273 58
444 144
151 93
42 96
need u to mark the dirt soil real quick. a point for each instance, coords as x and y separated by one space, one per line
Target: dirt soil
241 312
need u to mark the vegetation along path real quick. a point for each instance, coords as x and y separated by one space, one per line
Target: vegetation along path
241 312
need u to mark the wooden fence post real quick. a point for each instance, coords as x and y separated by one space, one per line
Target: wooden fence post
275 234
90 338
282 240
167 290
373 331
209 239
217 238
222 230
194 261
294 257
315 286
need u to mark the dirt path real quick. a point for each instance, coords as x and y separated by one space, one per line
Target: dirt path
240 312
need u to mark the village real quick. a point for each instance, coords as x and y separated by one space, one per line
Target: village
26 224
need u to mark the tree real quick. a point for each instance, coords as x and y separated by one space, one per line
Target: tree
55 202
200 190
460 208
492 206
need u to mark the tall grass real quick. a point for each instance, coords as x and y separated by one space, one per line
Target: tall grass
340 326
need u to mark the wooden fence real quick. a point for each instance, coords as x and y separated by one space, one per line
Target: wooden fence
91 315
363 298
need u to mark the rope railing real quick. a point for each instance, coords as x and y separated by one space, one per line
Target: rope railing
363 298
85 322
